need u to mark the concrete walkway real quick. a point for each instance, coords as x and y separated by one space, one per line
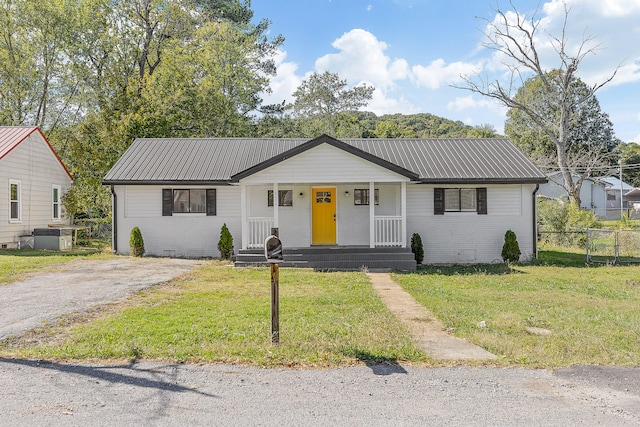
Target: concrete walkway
424 327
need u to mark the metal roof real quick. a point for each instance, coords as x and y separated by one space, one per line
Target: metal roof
219 160
12 136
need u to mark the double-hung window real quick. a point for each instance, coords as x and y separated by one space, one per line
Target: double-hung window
15 208
188 201
459 200
55 200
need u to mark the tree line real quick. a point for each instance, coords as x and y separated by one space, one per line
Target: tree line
96 74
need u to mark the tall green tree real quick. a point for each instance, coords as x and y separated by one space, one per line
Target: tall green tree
320 99
516 38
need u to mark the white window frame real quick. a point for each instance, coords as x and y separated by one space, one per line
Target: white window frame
17 183
56 203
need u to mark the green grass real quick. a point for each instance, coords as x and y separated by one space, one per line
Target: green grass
218 314
592 311
221 314
16 263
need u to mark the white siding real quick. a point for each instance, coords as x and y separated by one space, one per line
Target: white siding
181 235
324 163
37 168
466 237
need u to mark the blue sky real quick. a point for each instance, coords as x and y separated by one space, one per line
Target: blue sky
412 51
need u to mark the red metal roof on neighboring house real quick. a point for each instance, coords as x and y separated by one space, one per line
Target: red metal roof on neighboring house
12 136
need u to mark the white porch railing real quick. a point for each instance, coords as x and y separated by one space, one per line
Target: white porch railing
259 229
388 231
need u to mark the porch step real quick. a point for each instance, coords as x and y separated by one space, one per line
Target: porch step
335 258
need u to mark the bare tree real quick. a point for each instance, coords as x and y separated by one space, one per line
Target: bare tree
515 37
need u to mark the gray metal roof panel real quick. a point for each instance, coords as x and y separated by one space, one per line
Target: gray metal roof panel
219 159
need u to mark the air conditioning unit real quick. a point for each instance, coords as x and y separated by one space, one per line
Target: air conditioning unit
55 239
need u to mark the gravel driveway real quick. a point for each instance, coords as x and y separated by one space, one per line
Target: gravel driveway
79 286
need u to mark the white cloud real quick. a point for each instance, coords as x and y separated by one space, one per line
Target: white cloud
381 103
608 28
438 73
361 58
467 102
284 83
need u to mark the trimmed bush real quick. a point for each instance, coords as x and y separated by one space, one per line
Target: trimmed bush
510 249
416 247
136 244
225 244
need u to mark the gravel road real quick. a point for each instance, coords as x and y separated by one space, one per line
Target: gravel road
153 394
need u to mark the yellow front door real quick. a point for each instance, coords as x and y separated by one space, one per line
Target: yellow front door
323 216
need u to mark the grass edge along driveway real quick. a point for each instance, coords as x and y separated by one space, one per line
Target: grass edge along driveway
219 314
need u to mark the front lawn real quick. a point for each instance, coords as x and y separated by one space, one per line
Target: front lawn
590 313
559 312
221 314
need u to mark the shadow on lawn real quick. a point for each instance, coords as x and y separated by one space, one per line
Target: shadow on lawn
117 374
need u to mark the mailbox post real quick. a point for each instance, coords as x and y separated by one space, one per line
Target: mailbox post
273 254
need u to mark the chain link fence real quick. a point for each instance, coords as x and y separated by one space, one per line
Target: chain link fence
601 245
93 232
612 246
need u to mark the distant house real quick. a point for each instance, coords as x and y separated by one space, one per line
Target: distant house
600 195
32 182
460 195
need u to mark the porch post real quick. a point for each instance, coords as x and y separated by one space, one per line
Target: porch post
276 203
243 215
403 207
372 215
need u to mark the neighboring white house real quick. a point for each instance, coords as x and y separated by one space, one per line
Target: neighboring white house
615 190
32 182
460 195
600 195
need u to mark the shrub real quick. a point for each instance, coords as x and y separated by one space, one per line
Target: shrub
416 247
136 244
510 249
225 244
565 222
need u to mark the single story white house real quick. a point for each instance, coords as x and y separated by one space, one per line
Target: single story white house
460 195
32 182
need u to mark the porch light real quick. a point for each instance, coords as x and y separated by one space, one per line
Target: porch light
301 194
346 193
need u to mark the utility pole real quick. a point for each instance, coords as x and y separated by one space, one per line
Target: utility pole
621 209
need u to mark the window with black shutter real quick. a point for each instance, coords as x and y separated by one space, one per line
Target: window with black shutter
459 200
188 201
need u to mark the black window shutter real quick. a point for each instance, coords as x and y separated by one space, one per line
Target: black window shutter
167 202
438 201
481 197
211 202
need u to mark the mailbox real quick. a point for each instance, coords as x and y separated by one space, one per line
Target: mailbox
273 250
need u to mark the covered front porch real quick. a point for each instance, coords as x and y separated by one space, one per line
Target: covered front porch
360 214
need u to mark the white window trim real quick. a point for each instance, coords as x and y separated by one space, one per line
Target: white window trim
19 184
59 202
